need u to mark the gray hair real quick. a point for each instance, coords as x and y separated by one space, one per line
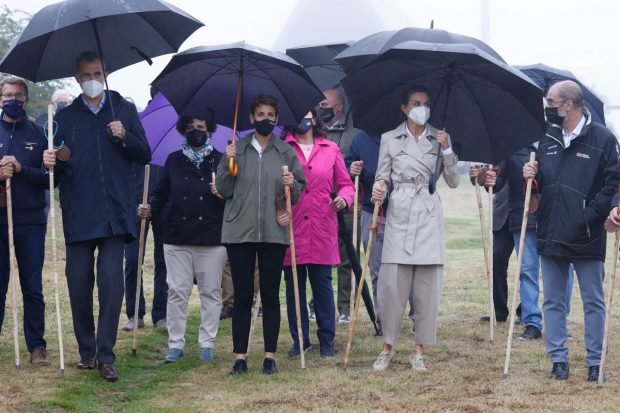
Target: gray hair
569 90
14 80
58 93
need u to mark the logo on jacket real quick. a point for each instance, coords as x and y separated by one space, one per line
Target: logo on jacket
29 146
583 155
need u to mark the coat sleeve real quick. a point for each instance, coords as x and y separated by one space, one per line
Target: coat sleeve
299 183
599 207
161 193
224 181
384 165
343 181
451 169
135 144
502 176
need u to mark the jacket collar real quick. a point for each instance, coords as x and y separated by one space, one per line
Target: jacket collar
113 96
318 140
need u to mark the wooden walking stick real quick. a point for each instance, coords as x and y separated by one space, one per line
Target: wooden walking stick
610 300
50 146
490 274
360 287
513 307
287 192
145 199
487 258
254 321
355 218
13 275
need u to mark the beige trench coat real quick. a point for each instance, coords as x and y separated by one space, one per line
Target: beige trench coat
414 231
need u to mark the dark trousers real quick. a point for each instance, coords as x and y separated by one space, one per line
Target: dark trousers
242 258
30 252
344 268
160 287
323 293
503 244
80 271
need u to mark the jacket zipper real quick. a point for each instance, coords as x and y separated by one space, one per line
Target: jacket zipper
103 186
260 163
586 218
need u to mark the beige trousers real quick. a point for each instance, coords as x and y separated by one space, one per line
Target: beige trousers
395 283
183 263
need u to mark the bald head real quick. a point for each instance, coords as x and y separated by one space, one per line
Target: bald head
568 90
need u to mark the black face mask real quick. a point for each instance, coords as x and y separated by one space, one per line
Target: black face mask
264 127
196 138
303 127
553 117
325 114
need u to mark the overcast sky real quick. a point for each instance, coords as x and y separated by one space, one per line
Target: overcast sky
570 34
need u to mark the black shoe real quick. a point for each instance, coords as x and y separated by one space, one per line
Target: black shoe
240 367
379 332
327 349
485 318
560 371
593 373
226 312
87 363
269 366
530 333
294 351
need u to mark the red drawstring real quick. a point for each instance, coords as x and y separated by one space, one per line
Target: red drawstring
380 221
535 190
3 188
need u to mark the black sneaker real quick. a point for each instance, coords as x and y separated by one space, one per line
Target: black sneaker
226 312
530 333
240 367
327 349
593 373
560 371
269 366
294 350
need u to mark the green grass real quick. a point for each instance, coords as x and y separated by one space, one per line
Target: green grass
466 369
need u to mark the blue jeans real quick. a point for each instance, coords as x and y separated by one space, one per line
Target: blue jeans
323 294
30 252
529 288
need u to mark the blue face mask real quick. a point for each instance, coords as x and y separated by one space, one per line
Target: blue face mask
61 105
13 108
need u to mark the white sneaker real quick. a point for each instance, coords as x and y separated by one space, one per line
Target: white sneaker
129 325
344 319
383 361
417 363
311 316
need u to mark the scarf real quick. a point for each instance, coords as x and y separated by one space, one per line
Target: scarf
196 157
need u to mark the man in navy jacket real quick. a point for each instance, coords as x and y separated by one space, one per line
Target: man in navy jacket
578 171
22 143
97 143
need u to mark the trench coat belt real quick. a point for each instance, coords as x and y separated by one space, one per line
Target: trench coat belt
412 227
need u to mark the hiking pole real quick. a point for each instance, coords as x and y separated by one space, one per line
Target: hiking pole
490 274
513 307
254 321
355 218
12 273
486 253
145 199
50 146
360 287
300 339
610 298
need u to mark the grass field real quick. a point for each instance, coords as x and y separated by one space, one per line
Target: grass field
465 368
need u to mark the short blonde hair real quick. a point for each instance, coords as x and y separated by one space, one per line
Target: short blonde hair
14 80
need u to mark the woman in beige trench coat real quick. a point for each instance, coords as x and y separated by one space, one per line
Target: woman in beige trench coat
413 248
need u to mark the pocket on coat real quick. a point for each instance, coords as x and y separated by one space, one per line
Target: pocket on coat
235 209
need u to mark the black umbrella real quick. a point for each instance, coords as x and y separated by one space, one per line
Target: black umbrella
489 109
124 31
545 76
319 62
226 78
366 49
345 236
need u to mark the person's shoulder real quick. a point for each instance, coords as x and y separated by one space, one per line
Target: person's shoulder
323 141
397 132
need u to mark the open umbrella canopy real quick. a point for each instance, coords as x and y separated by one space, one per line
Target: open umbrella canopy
319 62
159 120
545 76
489 109
208 77
366 49
129 31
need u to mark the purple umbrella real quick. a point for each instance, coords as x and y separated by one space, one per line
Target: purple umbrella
159 120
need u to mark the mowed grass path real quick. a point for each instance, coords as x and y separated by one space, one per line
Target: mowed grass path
465 368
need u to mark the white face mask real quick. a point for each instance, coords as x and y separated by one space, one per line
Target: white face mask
92 88
419 115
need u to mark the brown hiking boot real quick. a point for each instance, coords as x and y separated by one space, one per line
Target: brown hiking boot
38 357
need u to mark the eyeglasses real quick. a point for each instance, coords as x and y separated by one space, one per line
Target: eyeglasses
554 103
8 96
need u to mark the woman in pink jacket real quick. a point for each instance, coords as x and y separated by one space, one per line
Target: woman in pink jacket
315 228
